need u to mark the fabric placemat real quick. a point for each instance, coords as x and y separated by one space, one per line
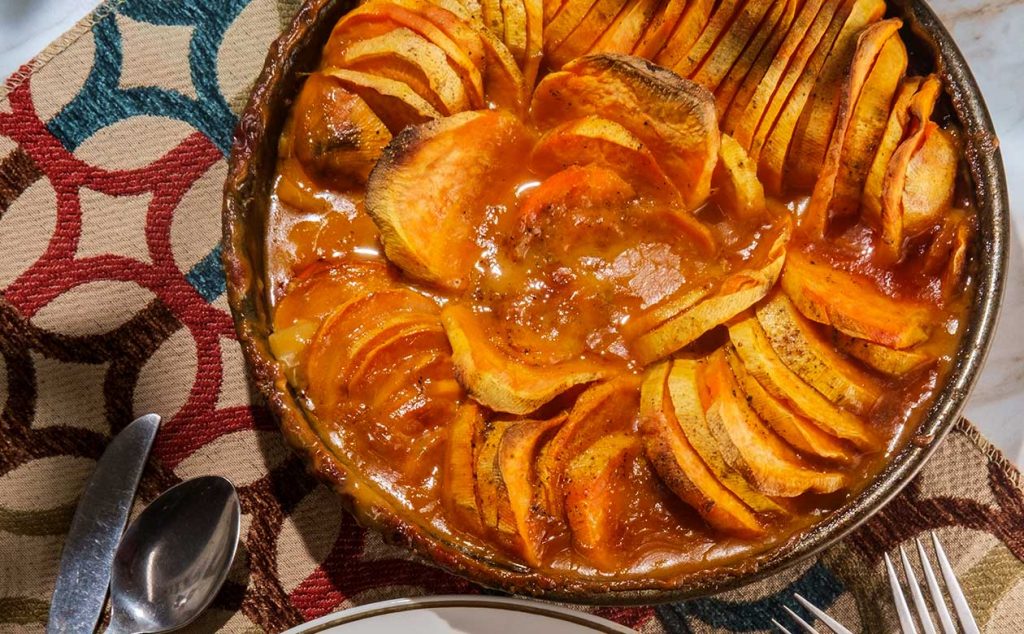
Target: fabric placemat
113 151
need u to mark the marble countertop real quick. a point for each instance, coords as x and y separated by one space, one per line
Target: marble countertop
989 33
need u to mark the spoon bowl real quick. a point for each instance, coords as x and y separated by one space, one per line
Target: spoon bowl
174 558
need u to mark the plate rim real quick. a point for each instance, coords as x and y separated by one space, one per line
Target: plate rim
509 604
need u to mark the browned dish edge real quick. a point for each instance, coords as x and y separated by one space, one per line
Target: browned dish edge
252 161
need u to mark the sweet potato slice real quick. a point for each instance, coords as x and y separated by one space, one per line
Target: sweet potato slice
534 40
394 102
789 425
730 45
458 481
607 144
764 365
931 176
491 492
513 13
517 455
663 311
817 121
737 189
396 339
675 27
574 189
585 35
402 49
882 358
598 496
425 193
757 55
604 409
738 292
564 22
750 447
503 80
879 47
336 136
895 129
627 29
497 378
674 118
813 358
320 289
681 468
717 26
852 304
684 393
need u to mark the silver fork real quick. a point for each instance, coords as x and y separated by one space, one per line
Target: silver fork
907 620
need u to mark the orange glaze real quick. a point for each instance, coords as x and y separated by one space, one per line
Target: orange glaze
563 271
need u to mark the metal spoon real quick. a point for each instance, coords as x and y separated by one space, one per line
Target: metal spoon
174 558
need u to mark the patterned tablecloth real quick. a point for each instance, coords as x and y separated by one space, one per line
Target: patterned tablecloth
112 156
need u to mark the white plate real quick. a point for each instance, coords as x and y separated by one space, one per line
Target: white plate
457 614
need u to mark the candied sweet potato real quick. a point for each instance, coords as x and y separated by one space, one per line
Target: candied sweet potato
458 481
887 360
425 194
513 13
497 378
577 189
757 55
393 101
749 446
584 37
681 468
603 409
852 304
675 27
684 393
737 188
730 45
336 136
674 118
931 177
813 358
739 291
763 364
717 27
598 495
799 432
517 456
880 56
491 492
627 29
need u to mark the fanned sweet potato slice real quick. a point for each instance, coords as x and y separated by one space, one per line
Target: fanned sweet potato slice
336 136
818 119
787 423
852 304
681 468
564 22
878 48
627 29
404 55
674 118
732 42
426 193
604 409
895 129
574 189
717 26
534 40
458 481
491 492
931 177
813 358
947 254
738 291
321 288
602 142
394 102
757 55
378 350
598 496
514 14
551 9
887 360
764 365
675 27
517 456
585 35
504 83
735 182
663 311
684 393
497 378
748 445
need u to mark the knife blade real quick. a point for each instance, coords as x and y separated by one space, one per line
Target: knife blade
96 528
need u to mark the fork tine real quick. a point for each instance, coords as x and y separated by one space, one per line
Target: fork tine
804 625
902 611
963 611
938 601
822 616
915 593
780 628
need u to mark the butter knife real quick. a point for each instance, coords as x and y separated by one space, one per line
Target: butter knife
96 529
